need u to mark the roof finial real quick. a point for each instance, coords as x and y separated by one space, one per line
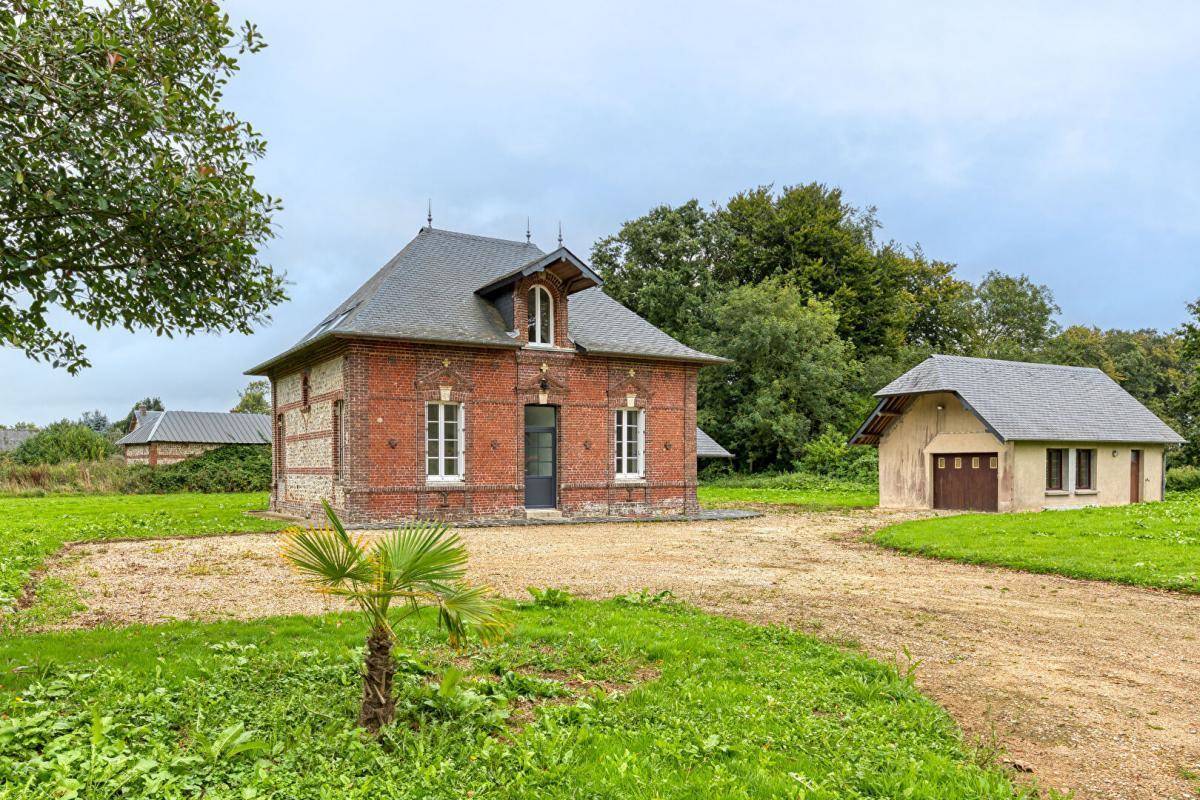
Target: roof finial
560 233
429 214
528 233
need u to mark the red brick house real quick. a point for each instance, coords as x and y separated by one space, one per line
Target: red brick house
483 378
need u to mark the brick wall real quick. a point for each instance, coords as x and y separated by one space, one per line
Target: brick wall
160 454
385 386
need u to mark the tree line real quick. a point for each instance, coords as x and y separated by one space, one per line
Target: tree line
817 313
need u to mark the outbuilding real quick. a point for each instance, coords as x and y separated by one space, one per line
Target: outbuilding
159 438
988 435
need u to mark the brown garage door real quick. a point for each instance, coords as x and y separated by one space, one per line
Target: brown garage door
965 481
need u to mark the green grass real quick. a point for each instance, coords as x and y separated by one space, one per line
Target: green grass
33 528
613 701
1150 544
795 489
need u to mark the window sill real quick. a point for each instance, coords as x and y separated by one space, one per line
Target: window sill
1057 493
1087 491
445 483
629 479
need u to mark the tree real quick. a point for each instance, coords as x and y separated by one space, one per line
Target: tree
253 399
96 420
660 265
1016 317
790 377
421 564
126 196
63 441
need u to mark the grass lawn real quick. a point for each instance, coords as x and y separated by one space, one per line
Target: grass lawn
794 489
1150 544
32 528
588 700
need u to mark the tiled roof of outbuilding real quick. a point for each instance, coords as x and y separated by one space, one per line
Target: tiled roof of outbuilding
428 292
1038 402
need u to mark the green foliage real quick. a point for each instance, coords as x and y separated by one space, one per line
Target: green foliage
665 703
831 456
230 468
549 597
146 404
799 490
35 527
645 597
1015 317
1145 544
1183 479
109 476
126 191
63 441
254 399
790 375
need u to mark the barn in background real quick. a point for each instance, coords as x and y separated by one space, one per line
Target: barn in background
159 438
986 435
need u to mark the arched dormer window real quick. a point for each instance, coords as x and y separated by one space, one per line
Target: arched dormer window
541 316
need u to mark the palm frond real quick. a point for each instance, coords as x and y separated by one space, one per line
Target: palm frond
421 555
327 557
462 607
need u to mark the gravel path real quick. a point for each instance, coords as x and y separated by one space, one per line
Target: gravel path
1094 687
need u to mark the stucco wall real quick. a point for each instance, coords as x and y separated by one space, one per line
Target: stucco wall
905 468
1112 475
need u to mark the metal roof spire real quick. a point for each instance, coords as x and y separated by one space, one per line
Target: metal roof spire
560 233
429 214
528 233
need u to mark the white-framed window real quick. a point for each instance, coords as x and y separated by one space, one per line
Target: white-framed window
541 316
339 439
630 443
444 441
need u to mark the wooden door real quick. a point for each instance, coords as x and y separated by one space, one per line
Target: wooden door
966 481
1135 476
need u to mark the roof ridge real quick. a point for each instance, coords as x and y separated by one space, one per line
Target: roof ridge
480 237
157 421
1043 364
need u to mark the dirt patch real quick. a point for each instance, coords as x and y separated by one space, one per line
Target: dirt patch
1094 687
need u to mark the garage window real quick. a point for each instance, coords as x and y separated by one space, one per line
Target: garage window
1085 469
1056 469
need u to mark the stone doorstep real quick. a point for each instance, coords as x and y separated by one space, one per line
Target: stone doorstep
543 513
712 515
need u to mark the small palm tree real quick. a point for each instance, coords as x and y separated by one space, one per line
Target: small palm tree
420 565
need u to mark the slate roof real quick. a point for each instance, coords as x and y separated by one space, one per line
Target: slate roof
427 292
1038 402
707 447
205 427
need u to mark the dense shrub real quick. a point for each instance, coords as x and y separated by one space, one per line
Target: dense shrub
1183 479
831 456
232 468
63 441
802 481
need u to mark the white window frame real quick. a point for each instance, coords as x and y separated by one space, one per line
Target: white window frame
539 292
620 457
441 476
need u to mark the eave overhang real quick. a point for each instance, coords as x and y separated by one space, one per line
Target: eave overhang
562 263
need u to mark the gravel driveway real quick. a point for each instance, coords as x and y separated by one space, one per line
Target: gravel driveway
1094 687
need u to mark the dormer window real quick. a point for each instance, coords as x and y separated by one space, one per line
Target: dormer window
541 317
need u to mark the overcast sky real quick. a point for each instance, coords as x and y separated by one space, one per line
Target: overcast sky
1054 139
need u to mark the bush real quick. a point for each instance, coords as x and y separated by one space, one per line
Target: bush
831 456
63 441
232 468
1183 479
796 481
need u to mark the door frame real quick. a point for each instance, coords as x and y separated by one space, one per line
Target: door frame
552 479
1137 466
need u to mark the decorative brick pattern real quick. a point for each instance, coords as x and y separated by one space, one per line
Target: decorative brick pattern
160 454
384 387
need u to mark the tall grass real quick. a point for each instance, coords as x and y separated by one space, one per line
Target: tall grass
110 476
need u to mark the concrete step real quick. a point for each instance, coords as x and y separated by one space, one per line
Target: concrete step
543 513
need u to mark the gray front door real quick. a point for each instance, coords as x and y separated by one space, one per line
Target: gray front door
541 457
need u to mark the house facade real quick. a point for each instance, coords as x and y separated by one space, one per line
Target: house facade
986 435
482 378
159 438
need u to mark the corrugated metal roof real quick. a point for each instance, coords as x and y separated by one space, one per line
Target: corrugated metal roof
205 427
427 292
1038 402
707 447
